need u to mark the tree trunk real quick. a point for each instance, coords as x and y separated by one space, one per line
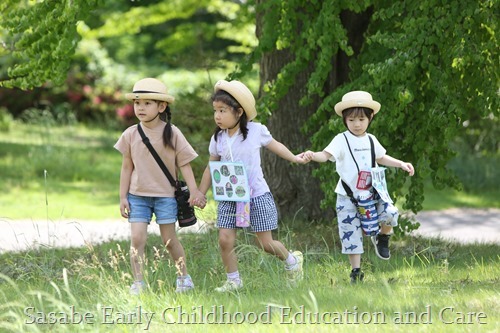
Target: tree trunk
297 193
295 190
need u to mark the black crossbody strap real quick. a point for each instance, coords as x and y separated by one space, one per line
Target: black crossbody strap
347 189
148 144
372 148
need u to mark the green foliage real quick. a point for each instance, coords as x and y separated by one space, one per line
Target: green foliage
432 65
5 120
189 33
42 37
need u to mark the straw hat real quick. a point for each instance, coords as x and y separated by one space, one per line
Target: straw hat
360 99
150 89
241 93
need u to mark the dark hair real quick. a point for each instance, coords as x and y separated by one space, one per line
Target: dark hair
226 98
167 131
356 112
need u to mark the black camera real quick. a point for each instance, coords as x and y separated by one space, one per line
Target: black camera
185 213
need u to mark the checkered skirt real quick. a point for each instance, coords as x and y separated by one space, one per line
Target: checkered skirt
263 214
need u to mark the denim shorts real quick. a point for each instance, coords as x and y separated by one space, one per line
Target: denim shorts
143 208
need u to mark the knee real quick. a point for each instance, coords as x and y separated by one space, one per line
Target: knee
226 242
170 242
137 242
261 245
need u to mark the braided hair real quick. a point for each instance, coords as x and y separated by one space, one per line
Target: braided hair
226 98
166 116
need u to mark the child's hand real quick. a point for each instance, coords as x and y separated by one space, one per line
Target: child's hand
308 155
198 199
124 208
408 167
300 159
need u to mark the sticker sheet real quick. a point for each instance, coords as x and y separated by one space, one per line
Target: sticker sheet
379 184
229 181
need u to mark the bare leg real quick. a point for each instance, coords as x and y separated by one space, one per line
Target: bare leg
355 260
174 247
227 240
138 238
385 229
266 242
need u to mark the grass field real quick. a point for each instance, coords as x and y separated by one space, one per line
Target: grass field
429 285
73 172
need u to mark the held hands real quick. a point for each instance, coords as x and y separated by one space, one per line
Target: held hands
302 158
308 155
197 199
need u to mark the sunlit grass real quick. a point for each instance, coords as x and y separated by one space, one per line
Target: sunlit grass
73 172
428 285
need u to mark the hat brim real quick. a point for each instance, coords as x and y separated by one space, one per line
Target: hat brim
341 106
240 95
152 96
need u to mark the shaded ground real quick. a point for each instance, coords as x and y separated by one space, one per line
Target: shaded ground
463 225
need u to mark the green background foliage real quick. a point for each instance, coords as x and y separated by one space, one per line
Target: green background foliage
433 65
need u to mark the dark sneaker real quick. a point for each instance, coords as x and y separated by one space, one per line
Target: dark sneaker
357 276
381 243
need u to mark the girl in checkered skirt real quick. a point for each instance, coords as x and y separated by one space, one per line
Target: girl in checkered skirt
238 139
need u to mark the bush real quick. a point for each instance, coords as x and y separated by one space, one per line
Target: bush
5 120
477 173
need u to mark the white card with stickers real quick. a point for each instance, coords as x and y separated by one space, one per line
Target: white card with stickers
379 183
229 181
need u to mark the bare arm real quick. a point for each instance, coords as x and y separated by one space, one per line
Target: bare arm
320 156
282 151
392 162
206 180
196 197
125 176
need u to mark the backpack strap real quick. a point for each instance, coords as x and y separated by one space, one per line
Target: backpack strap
347 189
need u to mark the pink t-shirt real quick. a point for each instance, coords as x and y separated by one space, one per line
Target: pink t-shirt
147 177
246 151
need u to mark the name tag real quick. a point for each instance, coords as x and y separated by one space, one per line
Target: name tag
364 180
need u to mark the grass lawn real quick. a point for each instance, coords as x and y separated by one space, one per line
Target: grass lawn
73 172
427 286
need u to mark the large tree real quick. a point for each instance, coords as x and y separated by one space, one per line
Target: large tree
39 38
432 64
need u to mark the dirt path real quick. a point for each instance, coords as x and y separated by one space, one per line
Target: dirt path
19 235
463 225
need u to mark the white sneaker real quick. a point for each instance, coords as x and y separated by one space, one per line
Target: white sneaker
137 287
229 285
184 284
296 272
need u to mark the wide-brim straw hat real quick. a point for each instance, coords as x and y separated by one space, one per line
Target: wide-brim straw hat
150 88
357 99
241 93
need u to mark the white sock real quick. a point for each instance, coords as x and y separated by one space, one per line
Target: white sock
290 261
234 276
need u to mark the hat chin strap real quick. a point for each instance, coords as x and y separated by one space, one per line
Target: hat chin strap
235 124
148 121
